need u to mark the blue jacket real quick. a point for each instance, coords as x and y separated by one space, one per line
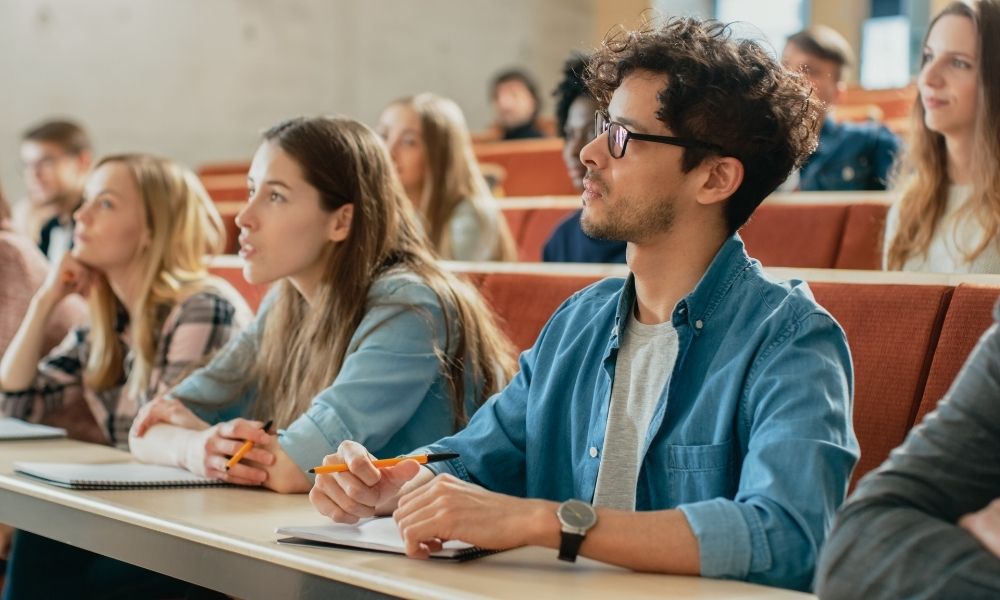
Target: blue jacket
389 395
568 243
752 440
850 156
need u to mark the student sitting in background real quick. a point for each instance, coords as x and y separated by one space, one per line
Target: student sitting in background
365 336
850 156
703 408
947 218
431 150
142 239
144 235
516 104
56 157
575 109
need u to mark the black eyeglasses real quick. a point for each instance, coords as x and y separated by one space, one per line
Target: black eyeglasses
618 137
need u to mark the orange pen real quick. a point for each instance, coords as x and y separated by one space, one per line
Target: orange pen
388 462
246 447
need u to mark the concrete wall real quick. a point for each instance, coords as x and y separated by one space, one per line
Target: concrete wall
197 80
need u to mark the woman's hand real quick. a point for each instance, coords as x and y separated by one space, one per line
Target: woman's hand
208 452
165 410
70 276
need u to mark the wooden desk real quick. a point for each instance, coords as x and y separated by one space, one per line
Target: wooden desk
223 538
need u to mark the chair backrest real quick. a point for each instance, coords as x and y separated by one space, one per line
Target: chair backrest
532 167
795 235
970 314
892 331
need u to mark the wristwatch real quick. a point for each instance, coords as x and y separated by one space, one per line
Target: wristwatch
576 518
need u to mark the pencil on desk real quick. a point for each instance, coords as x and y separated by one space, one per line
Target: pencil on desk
388 462
246 447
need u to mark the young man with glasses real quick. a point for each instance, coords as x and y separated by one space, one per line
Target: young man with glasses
56 157
693 418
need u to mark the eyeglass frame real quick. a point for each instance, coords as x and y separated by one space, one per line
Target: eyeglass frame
603 124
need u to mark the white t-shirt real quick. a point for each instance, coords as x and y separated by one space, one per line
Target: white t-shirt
646 358
954 237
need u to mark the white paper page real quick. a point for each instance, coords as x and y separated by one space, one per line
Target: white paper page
16 429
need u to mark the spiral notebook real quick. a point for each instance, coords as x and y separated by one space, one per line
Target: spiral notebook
112 476
379 534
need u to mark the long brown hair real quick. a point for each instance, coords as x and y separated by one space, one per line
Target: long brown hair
922 175
303 346
184 230
453 175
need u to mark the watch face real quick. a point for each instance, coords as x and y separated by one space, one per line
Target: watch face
577 514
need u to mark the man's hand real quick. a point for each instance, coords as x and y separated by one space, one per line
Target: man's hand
451 509
362 490
984 525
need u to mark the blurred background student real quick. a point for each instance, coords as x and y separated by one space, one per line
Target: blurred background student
575 110
431 150
56 157
948 214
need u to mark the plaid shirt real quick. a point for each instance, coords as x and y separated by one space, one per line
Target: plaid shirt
191 333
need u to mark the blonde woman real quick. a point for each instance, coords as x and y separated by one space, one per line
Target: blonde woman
948 215
364 336
432 152
141 243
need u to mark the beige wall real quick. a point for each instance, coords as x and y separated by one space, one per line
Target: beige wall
846 17
197 80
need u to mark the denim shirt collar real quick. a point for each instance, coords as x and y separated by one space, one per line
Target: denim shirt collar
696 308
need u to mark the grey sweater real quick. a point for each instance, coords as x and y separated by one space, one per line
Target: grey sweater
897 536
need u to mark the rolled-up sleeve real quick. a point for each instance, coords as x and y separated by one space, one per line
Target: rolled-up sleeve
898 537
800 451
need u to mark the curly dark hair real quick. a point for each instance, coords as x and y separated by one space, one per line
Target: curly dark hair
726 92
571 87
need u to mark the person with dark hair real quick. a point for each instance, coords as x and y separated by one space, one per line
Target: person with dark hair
516 103
693 418
56 157
575 109
850 156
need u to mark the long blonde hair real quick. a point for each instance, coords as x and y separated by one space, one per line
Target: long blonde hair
922 175
184 228
453 175
303 346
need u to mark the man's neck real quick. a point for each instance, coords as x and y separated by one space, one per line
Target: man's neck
669 267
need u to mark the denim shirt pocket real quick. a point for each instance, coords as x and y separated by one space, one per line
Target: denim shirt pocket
701 472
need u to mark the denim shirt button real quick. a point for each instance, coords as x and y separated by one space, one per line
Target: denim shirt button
698 324
593 452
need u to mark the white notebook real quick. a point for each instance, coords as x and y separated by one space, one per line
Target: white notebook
112 476
379 534
16 429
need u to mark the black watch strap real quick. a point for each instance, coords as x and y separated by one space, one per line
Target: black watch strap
569 546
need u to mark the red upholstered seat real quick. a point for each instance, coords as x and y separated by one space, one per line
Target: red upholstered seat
517 221
533 167
892 331
969 315
537 228
795 235
861 243
524 302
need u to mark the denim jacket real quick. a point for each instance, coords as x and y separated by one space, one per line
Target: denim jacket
390 394
850 157
752 440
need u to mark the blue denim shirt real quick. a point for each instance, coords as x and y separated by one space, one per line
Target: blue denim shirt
389 395
850 156
752 440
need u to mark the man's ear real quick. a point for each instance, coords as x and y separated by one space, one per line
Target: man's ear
340 223
725 174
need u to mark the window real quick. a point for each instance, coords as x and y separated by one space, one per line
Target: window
769 21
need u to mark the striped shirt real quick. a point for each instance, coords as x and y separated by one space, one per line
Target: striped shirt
193 330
